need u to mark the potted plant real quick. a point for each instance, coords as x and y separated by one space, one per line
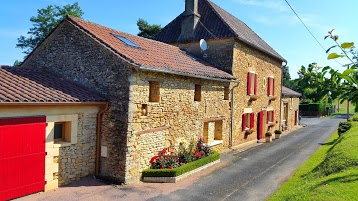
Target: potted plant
272 98
278 134
268 137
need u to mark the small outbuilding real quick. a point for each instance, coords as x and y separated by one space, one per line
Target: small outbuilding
290 108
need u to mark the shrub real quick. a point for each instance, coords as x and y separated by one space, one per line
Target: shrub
268 134
182 169
278 132
344 127
354 118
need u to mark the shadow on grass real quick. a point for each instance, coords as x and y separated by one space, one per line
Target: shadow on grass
343 179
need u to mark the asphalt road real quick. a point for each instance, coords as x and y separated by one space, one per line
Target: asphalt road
258 172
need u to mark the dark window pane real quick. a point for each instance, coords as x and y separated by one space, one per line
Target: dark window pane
58 131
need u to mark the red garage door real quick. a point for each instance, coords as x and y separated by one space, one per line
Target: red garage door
22 156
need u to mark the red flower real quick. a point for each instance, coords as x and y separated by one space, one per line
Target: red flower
170 167
153 159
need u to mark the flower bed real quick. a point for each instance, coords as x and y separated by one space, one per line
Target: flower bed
168 167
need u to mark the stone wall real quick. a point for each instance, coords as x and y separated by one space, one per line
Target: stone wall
248 59
219 52
176 118
293 105
71 53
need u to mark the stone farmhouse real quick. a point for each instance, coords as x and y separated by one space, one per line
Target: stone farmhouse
104 102
239 51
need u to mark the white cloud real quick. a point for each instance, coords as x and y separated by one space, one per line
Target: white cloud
268 4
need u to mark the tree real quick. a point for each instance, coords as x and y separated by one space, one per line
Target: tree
147 30
17 63
45 21
286 77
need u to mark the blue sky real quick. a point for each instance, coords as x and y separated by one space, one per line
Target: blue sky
272 20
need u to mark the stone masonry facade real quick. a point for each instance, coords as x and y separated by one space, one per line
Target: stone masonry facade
77 56
178 117
293 104
238 59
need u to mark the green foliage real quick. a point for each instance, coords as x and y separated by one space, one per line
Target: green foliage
334 56
278 132
330 174
17 63
344 127
347 45
182 169
268 134
164 160
45 21
186 153
286 77
147 30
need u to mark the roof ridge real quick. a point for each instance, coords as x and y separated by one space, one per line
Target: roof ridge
231 15
115 30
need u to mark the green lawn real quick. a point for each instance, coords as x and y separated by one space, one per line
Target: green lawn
343 107
330 174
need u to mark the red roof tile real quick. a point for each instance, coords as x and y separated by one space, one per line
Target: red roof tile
24 85
151 54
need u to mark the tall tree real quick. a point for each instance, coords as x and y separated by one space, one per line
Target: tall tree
45 21
147 30
286 77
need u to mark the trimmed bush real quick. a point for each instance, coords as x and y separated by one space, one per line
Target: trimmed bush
268 134
182 169
344 127
278 132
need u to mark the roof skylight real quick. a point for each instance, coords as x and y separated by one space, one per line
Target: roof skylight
126 40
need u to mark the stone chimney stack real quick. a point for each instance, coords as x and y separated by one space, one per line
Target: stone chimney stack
190 19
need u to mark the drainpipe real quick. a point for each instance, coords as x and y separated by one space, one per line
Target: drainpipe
232 114
98 138
280 124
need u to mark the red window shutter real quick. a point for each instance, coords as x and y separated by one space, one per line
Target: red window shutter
273 86
268 86
267 116
243 122
249 83
252 120
273 116
255 86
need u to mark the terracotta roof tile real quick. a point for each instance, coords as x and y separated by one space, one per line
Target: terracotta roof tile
221 24
25 85
289 92
152 54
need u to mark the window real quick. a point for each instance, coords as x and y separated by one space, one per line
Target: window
270 118
251 83
270 86
59 131
144 110
154 91
248 121
197 93
212 132
226 93
126 40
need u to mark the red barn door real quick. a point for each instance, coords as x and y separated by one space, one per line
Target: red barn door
22 156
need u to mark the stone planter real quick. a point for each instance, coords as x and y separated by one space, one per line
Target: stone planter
253 97
277 136
268 139
272 98
178 178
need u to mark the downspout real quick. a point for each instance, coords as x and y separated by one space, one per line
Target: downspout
232 114
98 138
280 124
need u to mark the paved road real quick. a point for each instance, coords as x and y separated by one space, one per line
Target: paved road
257 173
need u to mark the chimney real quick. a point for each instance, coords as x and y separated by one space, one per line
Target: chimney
190 19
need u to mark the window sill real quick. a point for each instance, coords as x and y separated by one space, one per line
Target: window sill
61 144
216 142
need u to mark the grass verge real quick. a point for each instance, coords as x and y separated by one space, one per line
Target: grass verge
330 174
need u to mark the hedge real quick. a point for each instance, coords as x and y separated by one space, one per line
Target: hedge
316 107
182 169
